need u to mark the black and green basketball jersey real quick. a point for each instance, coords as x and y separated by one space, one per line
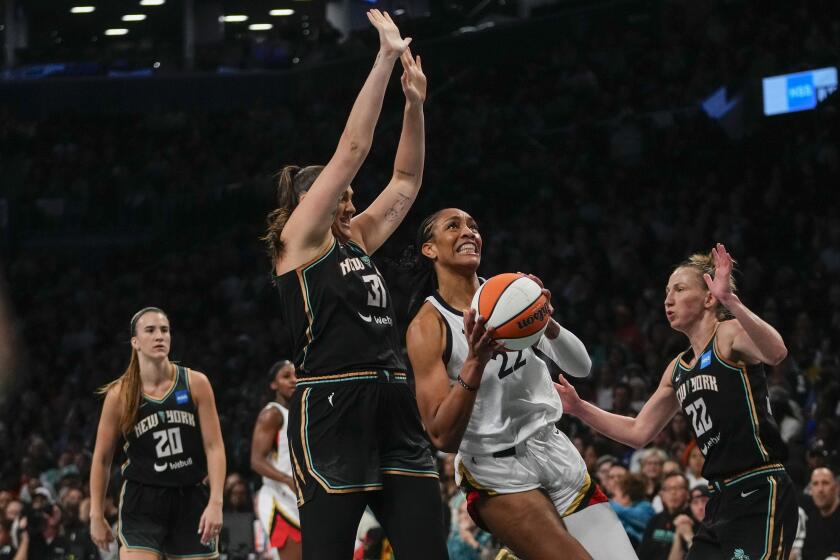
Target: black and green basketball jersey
728 408
339 315
165 447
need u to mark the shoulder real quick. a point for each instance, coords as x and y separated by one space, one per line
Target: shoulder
198 383
669 371
270 415
427 323
728 330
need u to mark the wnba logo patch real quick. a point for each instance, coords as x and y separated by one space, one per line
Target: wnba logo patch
181 397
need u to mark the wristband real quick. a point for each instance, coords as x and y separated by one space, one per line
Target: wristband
465 385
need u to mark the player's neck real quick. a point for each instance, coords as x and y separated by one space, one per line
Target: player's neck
280 399
700 333
155 372
456 289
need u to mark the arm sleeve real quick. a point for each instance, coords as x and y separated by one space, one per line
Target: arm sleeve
566 352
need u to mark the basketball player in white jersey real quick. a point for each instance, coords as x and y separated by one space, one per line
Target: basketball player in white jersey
277 502
523 478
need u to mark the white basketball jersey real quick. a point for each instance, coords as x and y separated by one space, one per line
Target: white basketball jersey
279 457
516 397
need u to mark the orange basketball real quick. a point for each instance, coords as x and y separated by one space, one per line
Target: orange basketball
515 306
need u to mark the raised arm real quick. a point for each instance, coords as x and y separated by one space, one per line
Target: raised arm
749 338
445 408
268 423
635 432
376 224
214 448
310 222
107 435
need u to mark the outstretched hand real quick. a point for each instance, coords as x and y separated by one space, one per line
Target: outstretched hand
413 79
390 41
568 395
720 286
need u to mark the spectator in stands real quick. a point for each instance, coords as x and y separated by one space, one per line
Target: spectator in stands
660 532
470 542
631 505
822 528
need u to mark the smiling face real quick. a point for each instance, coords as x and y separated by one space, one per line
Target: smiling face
687 299
455 241
151 335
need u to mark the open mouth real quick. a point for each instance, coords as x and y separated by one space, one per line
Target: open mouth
468 248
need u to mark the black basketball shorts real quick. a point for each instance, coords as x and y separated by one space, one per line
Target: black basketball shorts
164 520
751 516
346 431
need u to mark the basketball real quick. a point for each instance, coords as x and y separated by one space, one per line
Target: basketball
515 306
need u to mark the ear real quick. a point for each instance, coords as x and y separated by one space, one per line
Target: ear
429 250
710 301
135 343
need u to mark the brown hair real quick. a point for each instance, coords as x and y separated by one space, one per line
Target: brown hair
633 486
129 383
292 181
704 263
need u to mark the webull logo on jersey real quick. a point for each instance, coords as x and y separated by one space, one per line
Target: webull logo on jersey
163 416
353 263
537 316
173 465
181 397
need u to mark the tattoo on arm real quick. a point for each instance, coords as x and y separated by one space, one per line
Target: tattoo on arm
404 173
376 60
399 208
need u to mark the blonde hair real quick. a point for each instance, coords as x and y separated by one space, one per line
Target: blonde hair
129 383
704 263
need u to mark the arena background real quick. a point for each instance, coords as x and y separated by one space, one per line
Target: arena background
596 142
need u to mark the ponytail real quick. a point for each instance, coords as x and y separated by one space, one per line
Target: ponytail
130 388
292 182
423 279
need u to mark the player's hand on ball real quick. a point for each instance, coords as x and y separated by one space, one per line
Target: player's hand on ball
553 328
480 340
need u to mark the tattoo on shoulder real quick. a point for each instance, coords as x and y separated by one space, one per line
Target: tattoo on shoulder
398 210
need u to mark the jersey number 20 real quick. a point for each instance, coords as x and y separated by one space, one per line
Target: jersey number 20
168 442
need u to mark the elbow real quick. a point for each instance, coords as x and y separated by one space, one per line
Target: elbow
354 146
779 355
444 442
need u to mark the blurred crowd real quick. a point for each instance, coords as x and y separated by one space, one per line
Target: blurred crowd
589 165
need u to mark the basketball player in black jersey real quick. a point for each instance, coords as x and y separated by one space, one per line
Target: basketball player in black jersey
167 416
720 384
355 434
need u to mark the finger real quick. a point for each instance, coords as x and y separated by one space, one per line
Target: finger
708 280
407 41
562 381
201 525
109 537
419 63
388 17
468 322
